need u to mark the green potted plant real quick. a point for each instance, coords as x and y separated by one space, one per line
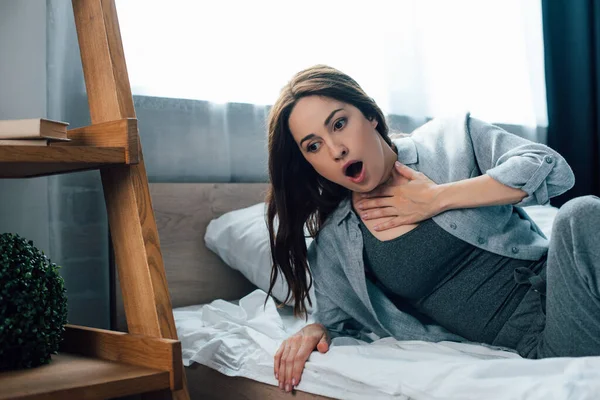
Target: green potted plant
33 304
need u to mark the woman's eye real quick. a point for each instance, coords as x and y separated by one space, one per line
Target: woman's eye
339 124
312 147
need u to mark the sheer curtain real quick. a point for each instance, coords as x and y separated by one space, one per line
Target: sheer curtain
416 58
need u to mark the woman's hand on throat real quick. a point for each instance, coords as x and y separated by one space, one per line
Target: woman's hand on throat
408 196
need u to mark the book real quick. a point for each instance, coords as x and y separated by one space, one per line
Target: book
35 128
24 142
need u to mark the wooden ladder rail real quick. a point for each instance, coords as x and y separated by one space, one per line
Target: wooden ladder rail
130 214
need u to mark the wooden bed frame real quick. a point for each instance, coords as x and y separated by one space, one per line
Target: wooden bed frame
196 275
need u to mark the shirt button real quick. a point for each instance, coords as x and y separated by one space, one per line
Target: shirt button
515 250
549 159
480 240
453 225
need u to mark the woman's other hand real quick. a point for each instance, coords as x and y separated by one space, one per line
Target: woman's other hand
293 353
409 197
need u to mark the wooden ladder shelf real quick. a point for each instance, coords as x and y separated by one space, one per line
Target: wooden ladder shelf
96 363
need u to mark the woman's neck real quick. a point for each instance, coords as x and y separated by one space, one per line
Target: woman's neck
389 158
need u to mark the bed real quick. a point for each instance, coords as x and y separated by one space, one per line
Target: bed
228 337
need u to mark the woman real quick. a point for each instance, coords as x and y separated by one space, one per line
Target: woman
423 237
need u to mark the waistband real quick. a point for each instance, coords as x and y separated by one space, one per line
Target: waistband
521 330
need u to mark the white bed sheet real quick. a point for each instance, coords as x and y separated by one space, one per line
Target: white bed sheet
241 340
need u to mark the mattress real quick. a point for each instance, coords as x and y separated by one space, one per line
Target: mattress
240 339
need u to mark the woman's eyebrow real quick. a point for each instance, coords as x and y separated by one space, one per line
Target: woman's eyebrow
327 120
307 137
331 116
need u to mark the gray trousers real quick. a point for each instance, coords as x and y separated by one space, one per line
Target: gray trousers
565 321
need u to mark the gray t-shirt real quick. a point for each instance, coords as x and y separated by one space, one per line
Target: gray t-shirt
467 290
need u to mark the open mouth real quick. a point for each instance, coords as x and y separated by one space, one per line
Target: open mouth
353 170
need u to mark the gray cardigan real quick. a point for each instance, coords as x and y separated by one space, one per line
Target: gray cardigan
446 150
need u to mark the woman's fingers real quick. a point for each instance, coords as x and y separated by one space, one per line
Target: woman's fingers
377 202
392 223
282 364
291 356
405 171
295 343
323 346
379 213
277 360
382 191
307 347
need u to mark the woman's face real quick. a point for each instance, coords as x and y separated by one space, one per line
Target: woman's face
340 143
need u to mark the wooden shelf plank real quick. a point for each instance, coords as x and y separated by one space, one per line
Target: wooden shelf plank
90 147
31 161
119 133
75 377
155 353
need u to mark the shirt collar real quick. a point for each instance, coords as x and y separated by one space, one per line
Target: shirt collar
407 154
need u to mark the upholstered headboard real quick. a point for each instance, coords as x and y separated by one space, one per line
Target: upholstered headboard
195 274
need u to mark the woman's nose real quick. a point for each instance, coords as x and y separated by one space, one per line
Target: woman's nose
339 152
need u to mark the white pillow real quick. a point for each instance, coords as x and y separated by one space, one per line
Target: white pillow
241 239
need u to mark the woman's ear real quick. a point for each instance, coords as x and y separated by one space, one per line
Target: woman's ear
373 122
